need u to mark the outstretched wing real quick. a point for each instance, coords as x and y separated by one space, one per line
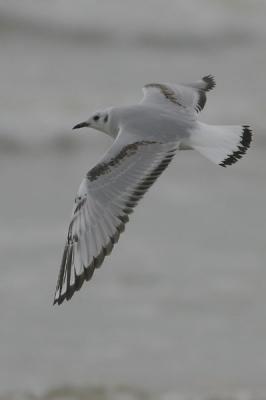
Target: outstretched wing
106 197
190 97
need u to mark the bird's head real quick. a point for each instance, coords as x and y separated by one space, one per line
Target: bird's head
99 120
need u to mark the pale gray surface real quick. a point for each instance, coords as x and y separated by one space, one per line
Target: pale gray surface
179 307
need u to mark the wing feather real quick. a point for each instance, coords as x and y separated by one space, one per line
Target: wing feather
104 202
189 98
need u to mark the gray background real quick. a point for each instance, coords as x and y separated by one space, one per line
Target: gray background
179 307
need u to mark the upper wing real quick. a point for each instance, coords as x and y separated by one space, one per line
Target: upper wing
106 197
189 97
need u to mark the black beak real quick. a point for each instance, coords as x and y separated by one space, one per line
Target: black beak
81 125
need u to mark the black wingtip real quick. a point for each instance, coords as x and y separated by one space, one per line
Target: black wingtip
71 289
59 300
210 82
67 296
243 145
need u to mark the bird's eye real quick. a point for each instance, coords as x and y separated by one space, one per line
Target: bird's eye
96 117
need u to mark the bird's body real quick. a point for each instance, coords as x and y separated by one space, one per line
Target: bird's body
146 137
149 121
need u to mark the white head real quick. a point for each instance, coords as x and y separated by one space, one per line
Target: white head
99 120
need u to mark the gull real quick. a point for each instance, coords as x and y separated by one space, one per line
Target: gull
146 137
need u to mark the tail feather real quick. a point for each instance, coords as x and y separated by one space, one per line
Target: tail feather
224 145
243 145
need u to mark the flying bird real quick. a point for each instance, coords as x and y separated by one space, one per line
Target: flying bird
146 137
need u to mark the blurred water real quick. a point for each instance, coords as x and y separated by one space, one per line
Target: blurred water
179 307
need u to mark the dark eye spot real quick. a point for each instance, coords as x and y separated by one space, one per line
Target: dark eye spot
96 117
106 118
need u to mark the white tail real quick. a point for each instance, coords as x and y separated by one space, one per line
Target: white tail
224 145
